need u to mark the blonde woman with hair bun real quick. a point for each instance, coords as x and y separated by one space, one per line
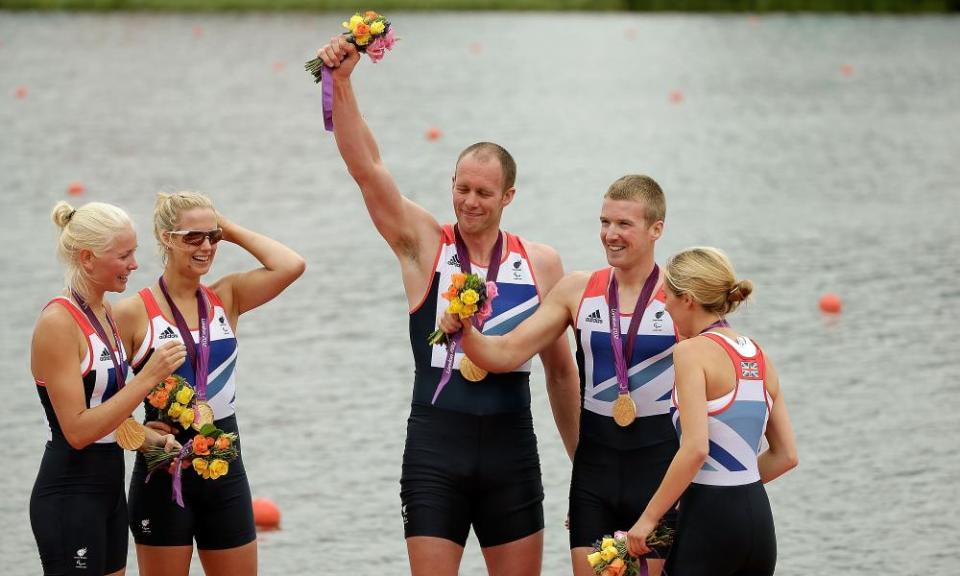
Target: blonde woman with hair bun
726 398
217 514
78 507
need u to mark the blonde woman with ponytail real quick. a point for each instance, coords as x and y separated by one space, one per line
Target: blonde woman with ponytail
78 507
217 514
726 398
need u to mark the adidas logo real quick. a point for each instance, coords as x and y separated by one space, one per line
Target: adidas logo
167 334
595 317
105 355
454 261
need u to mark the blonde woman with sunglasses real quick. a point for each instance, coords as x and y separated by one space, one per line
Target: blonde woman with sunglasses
218 515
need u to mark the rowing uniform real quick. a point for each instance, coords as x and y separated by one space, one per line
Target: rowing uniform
78 509
217 513
471 458
616 470
726 526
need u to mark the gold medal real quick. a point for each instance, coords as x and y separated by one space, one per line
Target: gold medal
471 371
204 415
624 410
130 434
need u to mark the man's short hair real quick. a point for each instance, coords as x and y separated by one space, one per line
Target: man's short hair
489 151
639 188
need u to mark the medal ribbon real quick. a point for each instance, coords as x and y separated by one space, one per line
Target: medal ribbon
492 270
199 359
327 84
119 375
620 362
721 323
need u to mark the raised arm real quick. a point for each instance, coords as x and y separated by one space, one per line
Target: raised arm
692 395
56 351
412 232
246 290
781 455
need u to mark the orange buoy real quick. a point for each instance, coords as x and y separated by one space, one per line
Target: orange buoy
676 96
197 31
76 188
266 515
21 92
830 303
434 133
279 66
846 70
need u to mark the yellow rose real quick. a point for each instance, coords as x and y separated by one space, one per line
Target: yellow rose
609 553
470 296
455 306
593 559
377 28
200 465
467 311
175 410
186 417
354 20
362 39
218 468
607 542
184 395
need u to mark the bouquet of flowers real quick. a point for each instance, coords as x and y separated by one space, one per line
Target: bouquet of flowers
468 294
209 453
172 398
610 556
369 32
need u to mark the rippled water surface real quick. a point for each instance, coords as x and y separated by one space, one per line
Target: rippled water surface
820 152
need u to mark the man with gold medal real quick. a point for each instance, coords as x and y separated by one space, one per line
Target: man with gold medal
624 340
471 458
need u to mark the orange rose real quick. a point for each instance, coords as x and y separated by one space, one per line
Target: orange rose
169 383
362 29
222 443
154 399
200 446
615 568
451 293
370 15
458 280
161 398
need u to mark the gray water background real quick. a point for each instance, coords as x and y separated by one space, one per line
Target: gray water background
819 152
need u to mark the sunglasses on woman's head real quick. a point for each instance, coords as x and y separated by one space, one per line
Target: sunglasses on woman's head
196 237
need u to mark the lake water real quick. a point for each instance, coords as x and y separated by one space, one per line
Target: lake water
819 152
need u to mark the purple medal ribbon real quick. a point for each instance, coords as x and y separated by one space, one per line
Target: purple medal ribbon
119 374
492 270
721 323
327 80
198 359
177 483
620 362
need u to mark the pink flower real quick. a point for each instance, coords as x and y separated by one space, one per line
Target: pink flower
376 49
486 310
389 39
491 291
620 535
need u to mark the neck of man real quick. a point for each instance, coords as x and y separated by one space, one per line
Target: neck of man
480 244
182 288
631 278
